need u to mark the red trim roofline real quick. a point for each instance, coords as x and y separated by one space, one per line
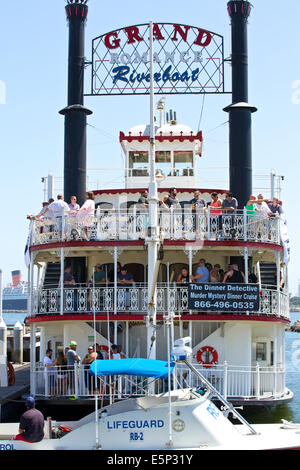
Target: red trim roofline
160 190
141 317
128 243
161 138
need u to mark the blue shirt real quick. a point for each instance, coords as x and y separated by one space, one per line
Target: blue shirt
205 274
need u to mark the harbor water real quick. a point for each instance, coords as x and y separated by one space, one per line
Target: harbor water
261 414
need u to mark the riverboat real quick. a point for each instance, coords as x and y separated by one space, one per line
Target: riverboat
237 330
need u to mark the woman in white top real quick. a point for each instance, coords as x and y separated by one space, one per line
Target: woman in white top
87 211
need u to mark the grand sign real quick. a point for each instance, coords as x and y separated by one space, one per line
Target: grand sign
187 59
224 297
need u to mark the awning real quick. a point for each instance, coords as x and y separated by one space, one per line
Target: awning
138 367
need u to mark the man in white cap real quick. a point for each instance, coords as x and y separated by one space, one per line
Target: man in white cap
72 358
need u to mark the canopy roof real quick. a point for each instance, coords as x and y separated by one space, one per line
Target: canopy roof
138 367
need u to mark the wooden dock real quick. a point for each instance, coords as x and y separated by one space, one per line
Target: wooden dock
21 386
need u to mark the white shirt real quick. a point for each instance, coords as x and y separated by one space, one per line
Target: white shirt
263 209
48 362
116 356
88 207
57 208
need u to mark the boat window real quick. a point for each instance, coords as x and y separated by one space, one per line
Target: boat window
138 163
183 163
261 351
163 162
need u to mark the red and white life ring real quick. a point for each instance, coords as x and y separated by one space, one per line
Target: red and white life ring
207 352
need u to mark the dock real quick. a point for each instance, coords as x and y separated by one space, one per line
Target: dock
20 387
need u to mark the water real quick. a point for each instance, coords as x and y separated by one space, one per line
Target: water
11 318
261 414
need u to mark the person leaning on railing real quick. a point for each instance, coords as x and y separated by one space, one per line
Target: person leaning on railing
86 212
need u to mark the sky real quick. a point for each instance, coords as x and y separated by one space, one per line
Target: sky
33 88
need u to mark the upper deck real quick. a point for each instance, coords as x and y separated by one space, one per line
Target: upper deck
182 224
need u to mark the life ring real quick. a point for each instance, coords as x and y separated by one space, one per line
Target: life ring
204 353
10 374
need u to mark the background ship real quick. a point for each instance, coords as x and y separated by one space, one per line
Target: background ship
15 294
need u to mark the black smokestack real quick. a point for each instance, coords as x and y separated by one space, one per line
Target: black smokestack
75 113
240 147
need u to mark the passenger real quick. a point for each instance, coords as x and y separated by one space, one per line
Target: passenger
229 204
251 207
31 427
124 277
197 205
114 352
111 276
49 371
275 207
143 205
202 273
234 275
143 199
222 274
215 274
69 279
73 204
262 208
119 350
170 200
216 210
183 277
196 202
57 209
61 363
86 212
99 276
87 361
208 266
40 214
72 359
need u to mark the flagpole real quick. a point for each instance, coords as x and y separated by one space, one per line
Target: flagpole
152 239
96 378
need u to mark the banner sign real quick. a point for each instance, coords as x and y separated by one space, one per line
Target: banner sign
224 297
187 59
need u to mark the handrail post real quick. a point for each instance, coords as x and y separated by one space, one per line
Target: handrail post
208 224
76 379
171 223
225 383
245 224
257 368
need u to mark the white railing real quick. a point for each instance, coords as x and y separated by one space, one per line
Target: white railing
175 224
239 382
134 300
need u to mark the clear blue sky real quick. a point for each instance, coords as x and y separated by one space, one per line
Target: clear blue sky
34 42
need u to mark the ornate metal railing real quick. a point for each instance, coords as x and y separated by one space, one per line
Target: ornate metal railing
175 224
244 382
134 300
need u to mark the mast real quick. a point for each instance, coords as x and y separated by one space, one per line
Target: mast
75 113
153 233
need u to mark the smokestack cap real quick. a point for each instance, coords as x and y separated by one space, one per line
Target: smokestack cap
241 105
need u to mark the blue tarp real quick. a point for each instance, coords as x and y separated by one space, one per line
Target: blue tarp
138 367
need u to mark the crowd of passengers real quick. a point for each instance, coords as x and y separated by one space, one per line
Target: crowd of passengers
255 206
205 272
